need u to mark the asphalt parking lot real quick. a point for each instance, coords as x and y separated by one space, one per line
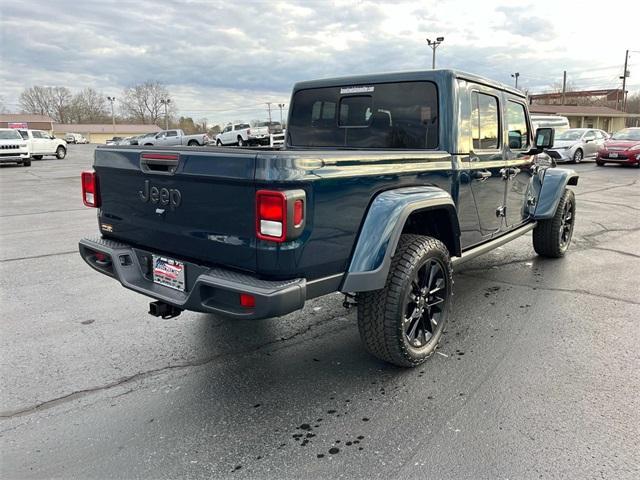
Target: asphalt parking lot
537 377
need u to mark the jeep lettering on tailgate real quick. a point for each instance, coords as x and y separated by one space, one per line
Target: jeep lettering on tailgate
163 196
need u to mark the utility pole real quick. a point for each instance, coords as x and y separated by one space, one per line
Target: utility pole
564 86
269 108
281 106
166 102
433 46
625 74
113 117
516 75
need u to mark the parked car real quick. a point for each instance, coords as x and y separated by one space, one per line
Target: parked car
274 127
13 148
176 137
376 195
576 144
129 140
243 134
558 123
75 138
113 141
142 139
623 147
41 143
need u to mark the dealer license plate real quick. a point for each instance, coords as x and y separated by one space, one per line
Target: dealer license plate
168 272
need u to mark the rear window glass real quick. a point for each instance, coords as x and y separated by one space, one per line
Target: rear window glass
388 115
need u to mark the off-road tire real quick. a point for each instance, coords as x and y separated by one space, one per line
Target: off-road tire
61 152
381 312
546 235
36 157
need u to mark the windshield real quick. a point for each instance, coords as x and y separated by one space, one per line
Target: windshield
570 135
10 135
386 115
627 134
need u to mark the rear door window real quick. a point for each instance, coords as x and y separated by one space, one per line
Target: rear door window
485 121
401 115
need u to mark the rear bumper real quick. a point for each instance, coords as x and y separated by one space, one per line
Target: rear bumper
209 290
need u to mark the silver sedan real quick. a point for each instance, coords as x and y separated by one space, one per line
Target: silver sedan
576 144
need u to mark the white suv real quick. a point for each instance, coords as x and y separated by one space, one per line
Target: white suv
41 143
13 148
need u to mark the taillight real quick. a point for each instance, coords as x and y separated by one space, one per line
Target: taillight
90 190
279 214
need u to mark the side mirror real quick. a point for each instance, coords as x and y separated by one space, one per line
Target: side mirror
544 138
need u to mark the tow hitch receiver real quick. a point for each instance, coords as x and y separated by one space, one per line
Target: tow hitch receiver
164 310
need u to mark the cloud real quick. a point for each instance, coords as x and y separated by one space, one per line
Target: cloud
222 62
519 21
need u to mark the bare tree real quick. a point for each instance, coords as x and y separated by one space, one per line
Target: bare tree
88 106
142 103
51 101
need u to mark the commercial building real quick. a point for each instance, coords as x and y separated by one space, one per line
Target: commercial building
26 120
603 118
100 133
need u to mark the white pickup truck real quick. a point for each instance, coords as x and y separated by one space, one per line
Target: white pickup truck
41 143
13 149
242 134
168 138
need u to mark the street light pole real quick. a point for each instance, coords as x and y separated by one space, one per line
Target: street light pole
166 102
625 74
269 109
281 105
433 46
113 117
516 75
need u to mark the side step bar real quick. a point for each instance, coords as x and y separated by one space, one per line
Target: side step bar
491 244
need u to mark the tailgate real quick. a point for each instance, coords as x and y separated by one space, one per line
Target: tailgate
191 205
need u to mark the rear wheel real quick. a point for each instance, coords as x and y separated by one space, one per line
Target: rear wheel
552 236
402 323
61 152
578 156
241 142
193 143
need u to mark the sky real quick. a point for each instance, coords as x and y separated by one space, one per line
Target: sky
223 60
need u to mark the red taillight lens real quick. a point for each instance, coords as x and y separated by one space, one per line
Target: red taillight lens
298 213
90 191
271 215
247 301
280 215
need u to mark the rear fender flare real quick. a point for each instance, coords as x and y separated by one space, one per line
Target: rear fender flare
554 182
381 230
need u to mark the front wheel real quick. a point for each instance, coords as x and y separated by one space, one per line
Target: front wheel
402 323
578 156
26 163
61 152
218 143
552 236
600 164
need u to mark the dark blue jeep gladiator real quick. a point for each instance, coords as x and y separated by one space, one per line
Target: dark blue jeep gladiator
386 182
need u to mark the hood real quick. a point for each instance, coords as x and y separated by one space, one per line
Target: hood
564 143
621 143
